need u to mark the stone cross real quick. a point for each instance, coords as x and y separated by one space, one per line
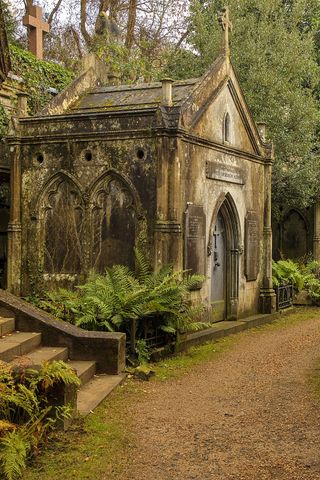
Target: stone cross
37 27
225 22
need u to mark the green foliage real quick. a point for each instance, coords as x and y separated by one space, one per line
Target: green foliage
266 37
143 352
128 66
15 448
10 22
301 276
112 301
4 121
287 272
26 416
38 75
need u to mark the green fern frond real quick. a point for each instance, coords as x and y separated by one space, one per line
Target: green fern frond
55 372
143 269
14 449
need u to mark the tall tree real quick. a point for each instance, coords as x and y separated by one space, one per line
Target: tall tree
273 50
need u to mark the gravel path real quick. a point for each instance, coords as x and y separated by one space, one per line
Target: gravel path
247 415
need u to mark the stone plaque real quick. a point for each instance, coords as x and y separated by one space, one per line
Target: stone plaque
195 239
225 173
252 246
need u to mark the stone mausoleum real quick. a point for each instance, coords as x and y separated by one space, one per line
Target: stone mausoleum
178 169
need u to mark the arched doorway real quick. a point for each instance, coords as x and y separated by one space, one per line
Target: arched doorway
218 276
225 251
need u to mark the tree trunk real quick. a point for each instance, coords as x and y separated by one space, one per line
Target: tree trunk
83 21
132 15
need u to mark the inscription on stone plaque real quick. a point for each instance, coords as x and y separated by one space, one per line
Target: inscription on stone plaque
195 239
225 173
251 246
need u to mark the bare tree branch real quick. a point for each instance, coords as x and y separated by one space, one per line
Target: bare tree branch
182 38
76 38
83 20
104 5
28 4
54 11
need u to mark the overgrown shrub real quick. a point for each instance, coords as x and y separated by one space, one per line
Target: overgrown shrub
38 75
110 302
301 276
287 272
26 416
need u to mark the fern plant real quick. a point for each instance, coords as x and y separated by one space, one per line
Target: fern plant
26 416
113 301
287 272
301 276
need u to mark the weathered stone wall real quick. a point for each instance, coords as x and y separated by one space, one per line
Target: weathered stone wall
293 234
247 196
227 175
87 201
124 170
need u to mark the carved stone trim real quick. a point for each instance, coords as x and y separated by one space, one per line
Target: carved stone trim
167 227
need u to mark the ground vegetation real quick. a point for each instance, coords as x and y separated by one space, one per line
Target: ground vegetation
26 413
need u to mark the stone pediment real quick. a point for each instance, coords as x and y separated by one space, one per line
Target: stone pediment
216 95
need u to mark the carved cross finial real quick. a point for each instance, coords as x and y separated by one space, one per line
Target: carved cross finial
225 22
36 28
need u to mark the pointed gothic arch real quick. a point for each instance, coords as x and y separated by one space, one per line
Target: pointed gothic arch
115 213
61 222
294 233
226 218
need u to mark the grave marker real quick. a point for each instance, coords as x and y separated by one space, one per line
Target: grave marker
36 28
195 239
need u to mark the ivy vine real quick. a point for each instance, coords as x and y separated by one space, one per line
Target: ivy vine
38 76
4 121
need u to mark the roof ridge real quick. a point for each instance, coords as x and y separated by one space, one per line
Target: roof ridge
140 86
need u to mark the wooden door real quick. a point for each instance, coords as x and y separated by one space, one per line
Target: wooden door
218 276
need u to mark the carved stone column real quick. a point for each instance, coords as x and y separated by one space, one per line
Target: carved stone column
267 293
316 232
234 284
14 227
168 229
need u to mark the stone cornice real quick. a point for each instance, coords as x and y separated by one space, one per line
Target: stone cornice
147 134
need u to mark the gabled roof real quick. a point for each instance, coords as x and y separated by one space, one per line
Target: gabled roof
191 99
144 95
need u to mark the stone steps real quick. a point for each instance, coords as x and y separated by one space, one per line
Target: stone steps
84 368
45 354
25 348
96 390
16 344
7 325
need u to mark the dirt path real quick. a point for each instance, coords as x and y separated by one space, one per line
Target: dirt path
248 415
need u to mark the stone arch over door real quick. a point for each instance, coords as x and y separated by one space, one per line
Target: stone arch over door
61 226
114 222
225 234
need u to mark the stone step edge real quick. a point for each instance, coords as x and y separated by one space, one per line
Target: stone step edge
96 391
12 346
7 325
